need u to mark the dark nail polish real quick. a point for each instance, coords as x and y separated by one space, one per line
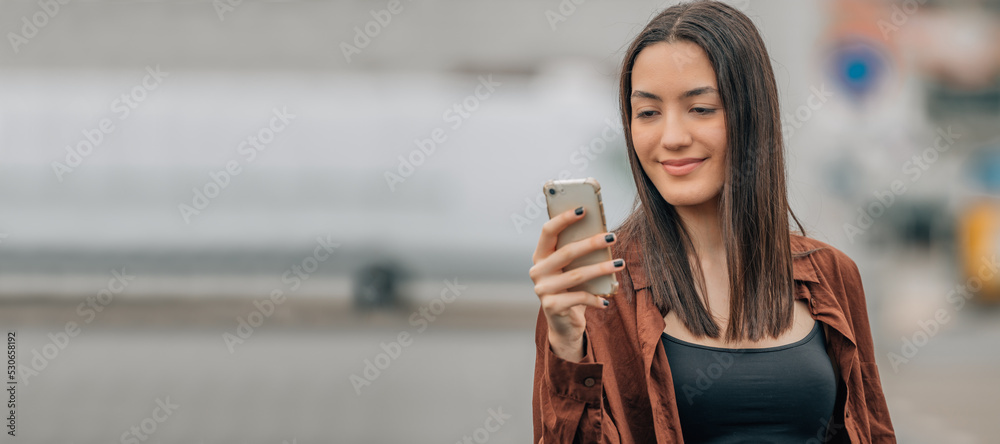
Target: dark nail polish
579 211
607 302
609 238
619 263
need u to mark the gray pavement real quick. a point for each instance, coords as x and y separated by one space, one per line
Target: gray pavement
289 383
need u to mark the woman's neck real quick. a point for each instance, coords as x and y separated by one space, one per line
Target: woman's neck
702 224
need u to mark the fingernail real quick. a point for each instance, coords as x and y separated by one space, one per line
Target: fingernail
609 238
579 211
607 302
619 263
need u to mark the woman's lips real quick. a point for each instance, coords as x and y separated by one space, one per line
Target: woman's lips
681 167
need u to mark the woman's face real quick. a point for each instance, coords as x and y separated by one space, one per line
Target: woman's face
678 124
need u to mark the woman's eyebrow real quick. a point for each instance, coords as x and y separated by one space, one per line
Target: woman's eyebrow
699 91
694 92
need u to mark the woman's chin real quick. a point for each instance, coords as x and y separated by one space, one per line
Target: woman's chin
692 199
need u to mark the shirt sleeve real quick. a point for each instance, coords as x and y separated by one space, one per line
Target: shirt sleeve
567 398
880 424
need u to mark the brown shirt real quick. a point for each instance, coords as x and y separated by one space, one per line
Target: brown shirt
622 391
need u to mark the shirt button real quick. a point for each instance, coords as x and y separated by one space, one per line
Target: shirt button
589 382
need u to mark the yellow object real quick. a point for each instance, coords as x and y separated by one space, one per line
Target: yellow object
979 244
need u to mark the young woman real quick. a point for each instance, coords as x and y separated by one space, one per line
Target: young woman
727 328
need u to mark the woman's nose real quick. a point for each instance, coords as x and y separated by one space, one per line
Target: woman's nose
675 134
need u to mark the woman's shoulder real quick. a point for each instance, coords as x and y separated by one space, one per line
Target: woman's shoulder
834 266
821 252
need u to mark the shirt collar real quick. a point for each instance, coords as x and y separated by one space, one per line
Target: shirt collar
803 268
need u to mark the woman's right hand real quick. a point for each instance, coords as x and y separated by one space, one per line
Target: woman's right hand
564 310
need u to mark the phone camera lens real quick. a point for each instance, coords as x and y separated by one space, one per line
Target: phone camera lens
552 191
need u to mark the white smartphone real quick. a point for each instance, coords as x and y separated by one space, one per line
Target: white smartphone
570 194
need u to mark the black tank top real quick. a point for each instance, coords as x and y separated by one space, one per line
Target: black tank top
781 394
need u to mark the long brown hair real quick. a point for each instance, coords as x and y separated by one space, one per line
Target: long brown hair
754 203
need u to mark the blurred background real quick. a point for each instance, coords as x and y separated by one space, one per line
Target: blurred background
311 221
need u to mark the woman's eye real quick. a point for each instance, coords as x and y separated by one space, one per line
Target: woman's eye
644 114
704 111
